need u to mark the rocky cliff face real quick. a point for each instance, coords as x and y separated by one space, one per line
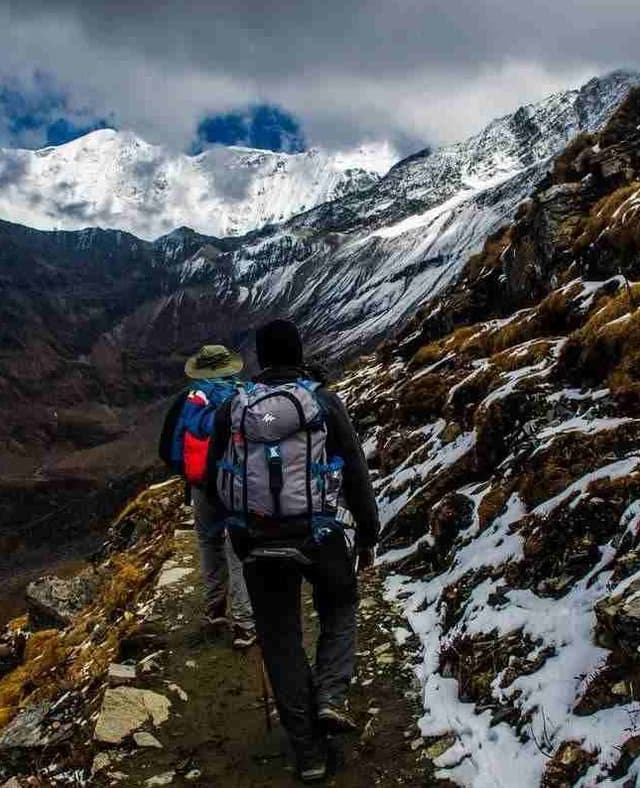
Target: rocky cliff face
78 421
504 424
352 271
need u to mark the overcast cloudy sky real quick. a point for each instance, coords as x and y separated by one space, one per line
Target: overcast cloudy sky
414 71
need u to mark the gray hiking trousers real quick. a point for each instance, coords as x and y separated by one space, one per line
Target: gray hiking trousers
275 589
221 568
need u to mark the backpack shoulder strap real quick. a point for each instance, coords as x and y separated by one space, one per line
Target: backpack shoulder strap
169 427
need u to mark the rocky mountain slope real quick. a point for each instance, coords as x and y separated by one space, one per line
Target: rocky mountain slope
96 324
504 424
114 179
354 270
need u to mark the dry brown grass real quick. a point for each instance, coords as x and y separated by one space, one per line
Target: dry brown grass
546 480
492 504
54 660
553 316
606 349
564 166
600 219
44 655
492 251
422 398
571 456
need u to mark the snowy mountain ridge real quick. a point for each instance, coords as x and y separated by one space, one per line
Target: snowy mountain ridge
114 179
355 269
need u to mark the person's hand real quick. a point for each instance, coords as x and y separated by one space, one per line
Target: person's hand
366 556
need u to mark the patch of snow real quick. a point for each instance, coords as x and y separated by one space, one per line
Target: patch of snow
485 755
578 489
583 425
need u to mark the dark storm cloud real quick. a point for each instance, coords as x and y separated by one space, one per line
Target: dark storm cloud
270 37
11 171
410 68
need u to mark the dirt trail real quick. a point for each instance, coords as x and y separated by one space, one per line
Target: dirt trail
217 736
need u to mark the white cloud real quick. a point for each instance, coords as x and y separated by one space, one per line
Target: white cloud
418 72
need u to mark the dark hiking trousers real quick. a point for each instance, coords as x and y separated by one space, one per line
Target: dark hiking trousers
274 586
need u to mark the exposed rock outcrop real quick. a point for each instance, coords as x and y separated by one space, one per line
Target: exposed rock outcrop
55 601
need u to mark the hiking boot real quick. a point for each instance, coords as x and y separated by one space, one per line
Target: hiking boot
215 618
335 718
243 637
312 764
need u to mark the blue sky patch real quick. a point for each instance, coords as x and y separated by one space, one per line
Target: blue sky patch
260 126
38 113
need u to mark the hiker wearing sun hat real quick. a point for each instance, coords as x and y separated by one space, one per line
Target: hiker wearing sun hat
213 361
212 371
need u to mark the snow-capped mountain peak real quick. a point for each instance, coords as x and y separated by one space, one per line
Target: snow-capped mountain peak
114 179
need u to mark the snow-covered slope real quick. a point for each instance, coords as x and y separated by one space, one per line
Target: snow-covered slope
504 429
353 270
114 179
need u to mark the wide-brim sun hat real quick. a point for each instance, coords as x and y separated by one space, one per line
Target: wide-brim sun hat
213 361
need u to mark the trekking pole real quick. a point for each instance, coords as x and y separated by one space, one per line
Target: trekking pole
265 695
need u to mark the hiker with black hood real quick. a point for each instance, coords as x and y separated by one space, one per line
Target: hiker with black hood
288 460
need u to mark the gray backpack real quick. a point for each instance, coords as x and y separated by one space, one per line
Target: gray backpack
275 465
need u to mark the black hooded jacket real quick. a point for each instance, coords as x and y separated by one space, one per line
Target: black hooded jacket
341 440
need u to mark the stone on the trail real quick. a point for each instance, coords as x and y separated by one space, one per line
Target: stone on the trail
144 739
149 666
53 601
178 690
166 778
29 729
117 776
125 709
170 574
100 763
121 674
194 774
